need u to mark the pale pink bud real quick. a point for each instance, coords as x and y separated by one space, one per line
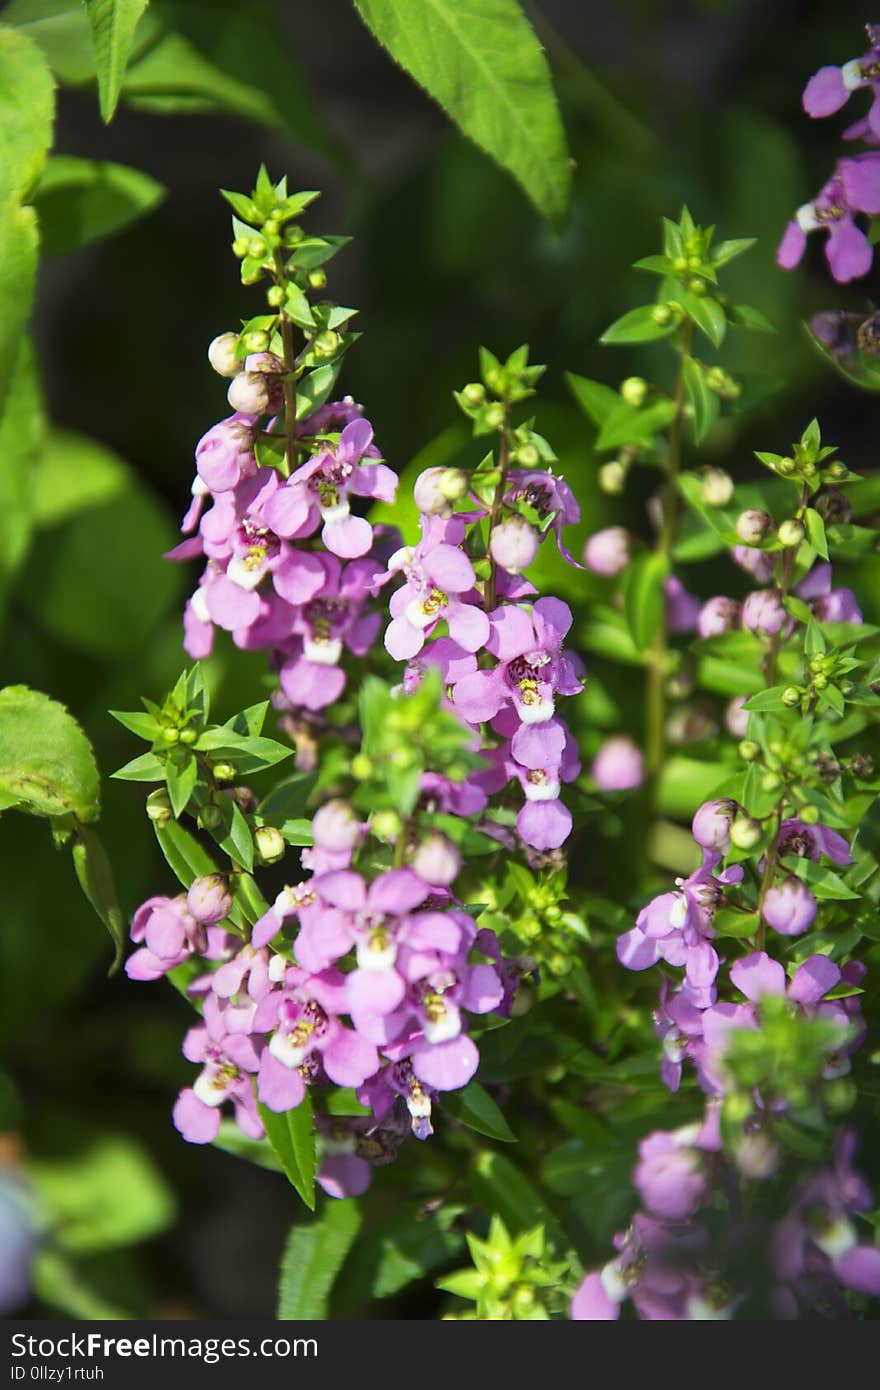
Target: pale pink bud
618 766
209 899
221 355
608 552
437 860
513 545
336 826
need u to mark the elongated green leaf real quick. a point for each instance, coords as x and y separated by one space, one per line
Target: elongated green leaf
81 200
312 1258
474 1107
18 269
503 1189
22 431
46 762
185 856
181 778
704 403
27 108
483 64
146 768
638 326
95 876
643 596
113 24
595 398
292 1136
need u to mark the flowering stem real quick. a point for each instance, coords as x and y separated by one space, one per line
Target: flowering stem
289 374
771 657
655 697
498 503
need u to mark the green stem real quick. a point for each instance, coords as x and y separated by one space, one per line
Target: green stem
658 652
290 365
498 504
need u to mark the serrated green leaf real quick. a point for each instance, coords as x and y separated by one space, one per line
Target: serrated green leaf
292 1136
485 67
27 108
113 23
313 1256
46 762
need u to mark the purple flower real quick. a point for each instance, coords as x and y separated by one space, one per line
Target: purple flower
306 1032
323 627
513 544
853 188
760 564
831 87
711 824
532 665
439 584
170 935
209 899
225 455
550 497
619 765
811 842
228 1063
789 907
763 611
682 608
829 605
671 1175
318 492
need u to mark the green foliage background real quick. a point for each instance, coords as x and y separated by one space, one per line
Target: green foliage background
662 104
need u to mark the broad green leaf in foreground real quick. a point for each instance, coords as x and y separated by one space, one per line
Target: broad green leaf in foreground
113 24
484 65
47 766
80 200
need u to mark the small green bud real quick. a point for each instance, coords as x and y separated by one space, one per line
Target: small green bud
170 735
189 735
224 772
612 477
820 682
326 343
697 287
749 750
387 825
159 807
257 248
474 393
786 467
210 817
771 782
275 296
661 313
240 247
809 814
680 264
790 533
634 390
270 226
837 469
269 844
317 278
846 688
716 488
791 696
745 833
494 415
256 341
527 455
293 236
361 767
694 262
840 1095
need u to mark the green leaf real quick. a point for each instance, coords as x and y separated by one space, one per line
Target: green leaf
95 874
18 269
27 109
643 596
729 921
113 23
474 1107
406 1244
46 761
61 30
595 398
744 316
727 250
78 201
108 1197
314 388
638 326
705 403
146 768
313 1256
234 836
483 64
823 882
287 799
74 473
186 857
501 1187
708 315
22 430
815 528
292 1136
138 722
181 778
628 425
769 699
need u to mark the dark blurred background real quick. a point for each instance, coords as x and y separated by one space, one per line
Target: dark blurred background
663 104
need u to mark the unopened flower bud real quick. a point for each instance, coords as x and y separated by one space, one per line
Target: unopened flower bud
837 469
221 355
209 899
159 807
749 750
634 390
834 508
240 247
293 235
257 247
494 415
437 860
513 545
223 772
711 824
719 615
527 456
275 296
662 314
270 226
210 817
474 393
317 278
607 552
745 833
326 343
809 814
269 844
716 488
752 525
361 767
757 1156
763 611
249 393
336 825
387 825
791 696
736 717
436 488
612 477
789 907
618 765
791 533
